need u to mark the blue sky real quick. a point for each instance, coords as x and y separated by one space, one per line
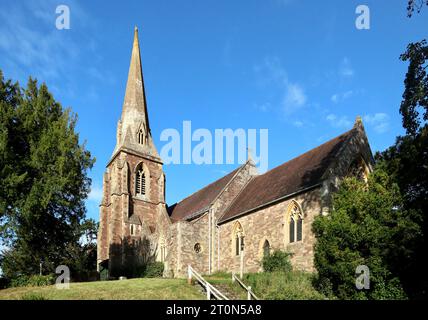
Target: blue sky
301 69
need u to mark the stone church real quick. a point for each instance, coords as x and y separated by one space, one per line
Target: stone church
228 225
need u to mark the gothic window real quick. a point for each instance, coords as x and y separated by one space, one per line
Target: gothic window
266 248
299 228
358 169
140 181
163 251
238 239
141 136
292 224
295 224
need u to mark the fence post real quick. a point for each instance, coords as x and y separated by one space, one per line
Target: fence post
249 293
233 277
189 274
208 292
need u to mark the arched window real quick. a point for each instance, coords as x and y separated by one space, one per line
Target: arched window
140 181
141 136
163 252
299 229
292 224
266 248
239 239
132 229
358 169
295 224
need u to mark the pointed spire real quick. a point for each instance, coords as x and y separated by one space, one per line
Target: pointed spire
135 97
358 122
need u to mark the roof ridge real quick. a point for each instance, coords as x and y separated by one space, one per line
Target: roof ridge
205 186
305 153
297 174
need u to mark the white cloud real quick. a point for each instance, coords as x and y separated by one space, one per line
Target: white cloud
338 97
346 69
379 121
298 123
294 98
264 107
96 194
339 121
272 73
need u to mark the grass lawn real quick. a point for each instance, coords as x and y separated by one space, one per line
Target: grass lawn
132 289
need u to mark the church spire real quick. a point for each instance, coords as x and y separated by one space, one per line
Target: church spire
135 96
133 130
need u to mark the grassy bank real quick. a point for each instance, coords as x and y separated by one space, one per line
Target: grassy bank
133 289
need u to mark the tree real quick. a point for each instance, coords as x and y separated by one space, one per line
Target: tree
415 96
43 179
367 226
406 163
413 5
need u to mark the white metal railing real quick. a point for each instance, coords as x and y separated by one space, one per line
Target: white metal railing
250 294
209 288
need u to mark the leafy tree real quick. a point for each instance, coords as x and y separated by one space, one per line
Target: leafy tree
413 5
367 226
43 179
406 162
415 96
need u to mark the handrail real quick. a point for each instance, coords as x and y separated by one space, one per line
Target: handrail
210 289
248 289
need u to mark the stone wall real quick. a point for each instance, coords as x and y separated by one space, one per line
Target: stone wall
185 235
271 223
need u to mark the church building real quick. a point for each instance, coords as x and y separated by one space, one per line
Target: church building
230 224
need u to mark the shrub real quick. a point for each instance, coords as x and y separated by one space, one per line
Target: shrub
33 296
277 261
32 281
4 283
279 285
367 226
154 270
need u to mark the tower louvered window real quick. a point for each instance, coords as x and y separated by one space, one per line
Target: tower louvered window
141 136
140 182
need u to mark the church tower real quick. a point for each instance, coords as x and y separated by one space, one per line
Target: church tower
133 183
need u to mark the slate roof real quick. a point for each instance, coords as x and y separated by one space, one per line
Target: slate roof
300 173
199 201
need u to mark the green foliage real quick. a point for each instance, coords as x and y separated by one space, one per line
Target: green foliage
150 269
293 285
413 5
406 163
154 270
367 226
4 283
221 274
33 296
277 261
414 106
43 179
33 281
